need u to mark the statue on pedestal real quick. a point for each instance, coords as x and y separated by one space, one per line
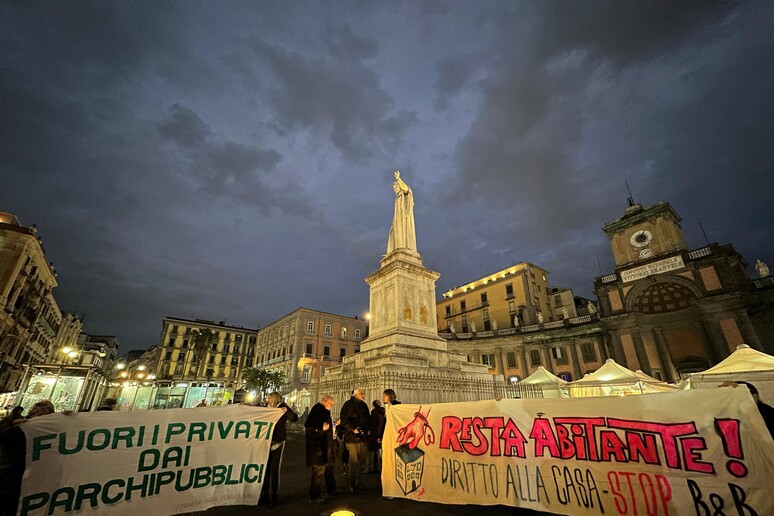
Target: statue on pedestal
472 327
451 327
540 317
591 308
402 232
494 324
762 268
565 313
515 321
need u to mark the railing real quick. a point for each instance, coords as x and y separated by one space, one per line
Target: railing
553 324
533 327
485 334
580 320
610 278
764 282
464 335
698 253
507 331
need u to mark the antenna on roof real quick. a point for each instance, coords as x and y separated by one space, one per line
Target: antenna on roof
705 234
630 199
599 264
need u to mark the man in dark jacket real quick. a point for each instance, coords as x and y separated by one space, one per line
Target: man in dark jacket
271 480
320 453
378 422
356 420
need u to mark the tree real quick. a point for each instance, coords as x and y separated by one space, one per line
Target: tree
201 341
262 380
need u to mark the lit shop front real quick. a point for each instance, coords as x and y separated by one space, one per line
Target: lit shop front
74 388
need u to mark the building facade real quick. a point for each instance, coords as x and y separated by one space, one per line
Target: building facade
30 318
232 349
669 310
304 342
516 296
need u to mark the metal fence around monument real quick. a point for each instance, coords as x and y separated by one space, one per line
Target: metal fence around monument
435 388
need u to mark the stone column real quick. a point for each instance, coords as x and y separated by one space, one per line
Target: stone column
717 339
575 360
747 330
642 355
549 362
499 362
670 373
618 352
524 364
709 350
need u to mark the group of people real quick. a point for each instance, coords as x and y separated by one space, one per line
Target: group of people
360 431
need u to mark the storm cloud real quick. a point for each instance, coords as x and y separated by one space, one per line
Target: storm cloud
233 161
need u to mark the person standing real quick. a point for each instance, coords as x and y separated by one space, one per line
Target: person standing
13 445
271 481
356 420
389 397
320 455
378 421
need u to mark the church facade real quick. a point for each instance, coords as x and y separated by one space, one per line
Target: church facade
666 309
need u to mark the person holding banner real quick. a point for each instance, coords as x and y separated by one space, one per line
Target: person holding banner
320 453
12 448
271 481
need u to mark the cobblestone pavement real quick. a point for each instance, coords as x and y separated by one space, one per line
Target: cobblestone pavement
294 497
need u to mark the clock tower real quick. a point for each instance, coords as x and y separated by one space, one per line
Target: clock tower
644 233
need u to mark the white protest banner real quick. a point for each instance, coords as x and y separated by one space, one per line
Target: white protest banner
156 462
704 452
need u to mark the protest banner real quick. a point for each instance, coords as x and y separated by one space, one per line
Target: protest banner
704 452
151 463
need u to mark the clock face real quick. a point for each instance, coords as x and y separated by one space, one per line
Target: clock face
641 238
646 253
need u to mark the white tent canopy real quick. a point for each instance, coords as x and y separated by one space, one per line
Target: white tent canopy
744 364
744 360
613 379
551 385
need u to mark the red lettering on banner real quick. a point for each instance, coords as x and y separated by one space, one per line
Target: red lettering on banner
459 436
450 427
595 439
482 445
641 491
669 433
610 445
496 425
514 440
543 435
642 446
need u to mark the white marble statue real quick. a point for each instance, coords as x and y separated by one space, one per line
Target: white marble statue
515 321
565 313
591 308
762 268
451 327
402 232
494 324
540 317
472 327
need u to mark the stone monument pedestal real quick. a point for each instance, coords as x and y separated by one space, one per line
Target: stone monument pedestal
403 351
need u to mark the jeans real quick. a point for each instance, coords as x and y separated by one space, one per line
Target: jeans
318 473
358 458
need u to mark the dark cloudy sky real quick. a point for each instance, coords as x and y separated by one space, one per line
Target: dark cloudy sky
233 160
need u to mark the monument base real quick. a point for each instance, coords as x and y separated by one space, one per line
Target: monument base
418 373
